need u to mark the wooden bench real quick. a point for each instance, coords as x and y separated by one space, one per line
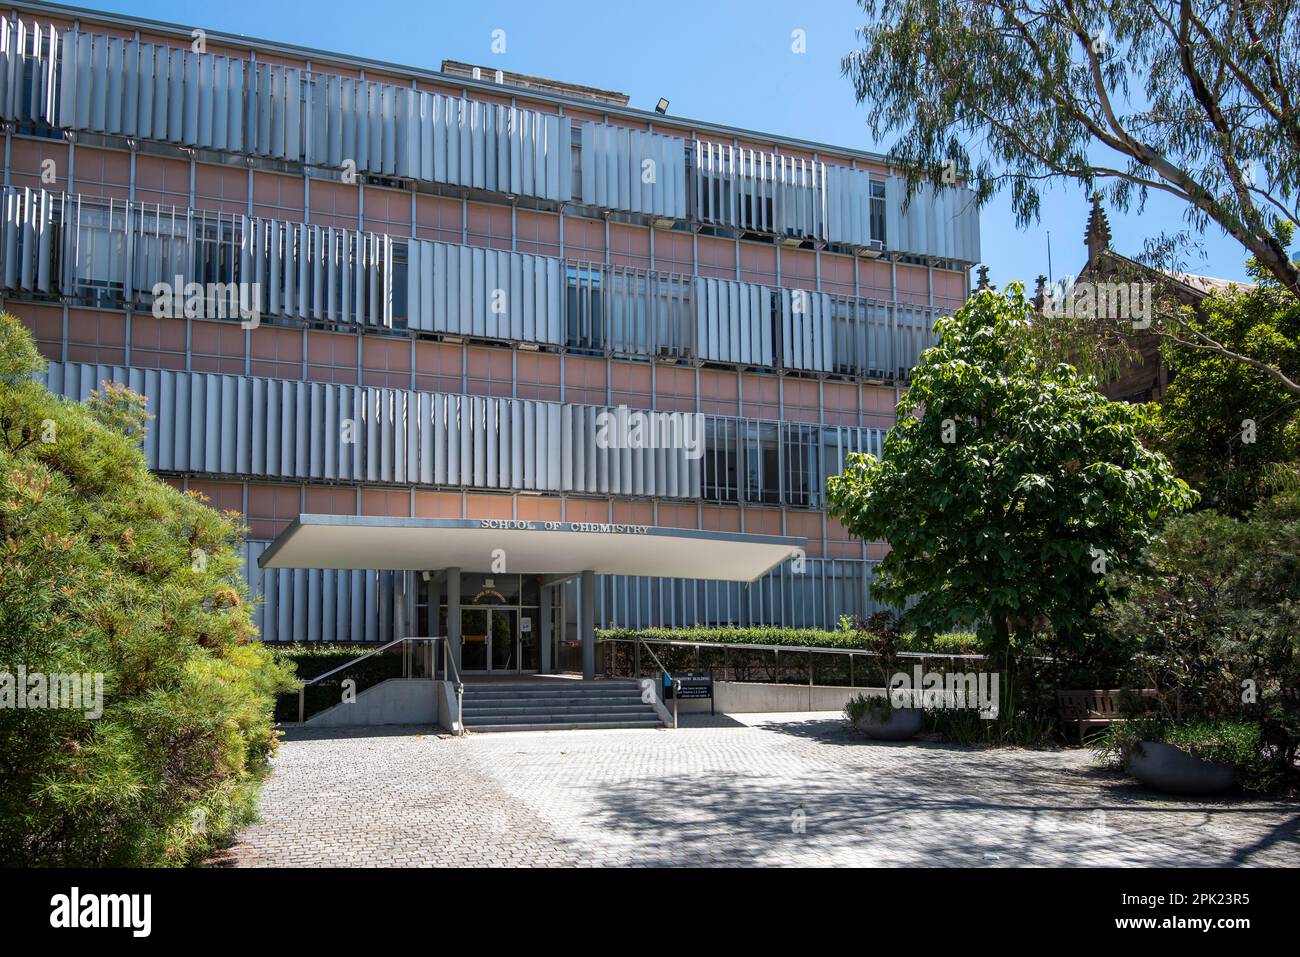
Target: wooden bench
1097 709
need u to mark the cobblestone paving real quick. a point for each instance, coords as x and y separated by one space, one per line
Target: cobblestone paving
752 790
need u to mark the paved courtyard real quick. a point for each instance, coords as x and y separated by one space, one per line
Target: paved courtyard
748 790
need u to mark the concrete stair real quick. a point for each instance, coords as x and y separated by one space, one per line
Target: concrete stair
555 705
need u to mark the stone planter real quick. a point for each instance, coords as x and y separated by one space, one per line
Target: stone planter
901 724
1169 769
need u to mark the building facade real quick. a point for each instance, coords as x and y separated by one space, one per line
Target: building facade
354 289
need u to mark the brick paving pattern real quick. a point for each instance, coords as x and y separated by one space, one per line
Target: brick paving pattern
753 790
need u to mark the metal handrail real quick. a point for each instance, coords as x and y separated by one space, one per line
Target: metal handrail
302 690
677 685
449 666
746 646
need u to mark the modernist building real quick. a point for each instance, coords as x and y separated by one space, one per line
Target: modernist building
447 279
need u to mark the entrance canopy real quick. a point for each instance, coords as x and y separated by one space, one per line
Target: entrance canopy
530 547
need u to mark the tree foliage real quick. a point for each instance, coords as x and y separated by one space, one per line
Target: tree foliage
108 570
1230 429
1192 98
1008 489
1213 607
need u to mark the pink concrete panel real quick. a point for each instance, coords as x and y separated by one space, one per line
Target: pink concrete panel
223 496
912 284
437 217
335 204
763 521
675 389
758 263
101 172
717 257
437 504
633 513
584 239
837 274
332 357
537 376
45 323
760 396
388 211
328 500
437 367
162 181
949 288
216 346
386 362
586 510
584 380
534 508
29 155
537 232
876 279
798 268
385 502
157 343
719 392
95 336
806 525
629 245
271 508
276 353
489 226
672 515
720 518
673 251
630 383
221 188
278 196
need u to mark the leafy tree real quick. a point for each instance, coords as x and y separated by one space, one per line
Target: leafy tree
1230 429
1008 489
1214 608
109 571
1192 98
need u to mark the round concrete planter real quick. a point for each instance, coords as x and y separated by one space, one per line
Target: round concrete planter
899 725
1169 769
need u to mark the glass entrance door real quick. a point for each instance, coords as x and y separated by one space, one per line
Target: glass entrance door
499 639
530 640
503 631
474 633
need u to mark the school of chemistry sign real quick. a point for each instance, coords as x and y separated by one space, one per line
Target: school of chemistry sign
610 528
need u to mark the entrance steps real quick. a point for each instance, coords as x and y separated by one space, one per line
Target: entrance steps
555 705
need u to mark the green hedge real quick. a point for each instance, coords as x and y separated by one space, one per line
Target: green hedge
308 661
765 666
950 643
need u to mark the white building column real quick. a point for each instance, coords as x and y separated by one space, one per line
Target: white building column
453 613
587 624
546 612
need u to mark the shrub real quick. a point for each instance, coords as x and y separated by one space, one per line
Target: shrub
1215 613
308 661
110 571
949 643
860 705
1238 744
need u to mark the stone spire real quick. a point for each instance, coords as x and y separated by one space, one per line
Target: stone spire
1097 236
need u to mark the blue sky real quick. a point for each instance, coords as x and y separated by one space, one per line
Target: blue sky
727 61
